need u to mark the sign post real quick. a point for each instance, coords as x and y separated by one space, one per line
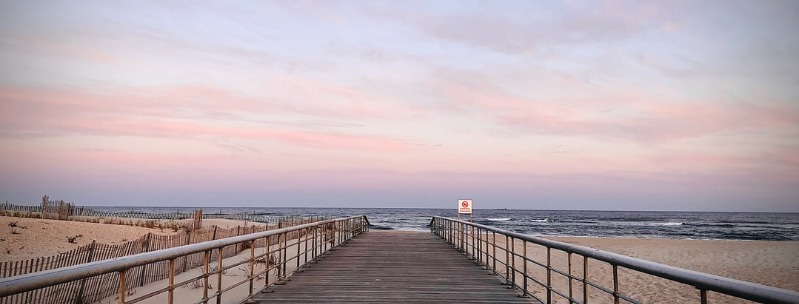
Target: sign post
465 207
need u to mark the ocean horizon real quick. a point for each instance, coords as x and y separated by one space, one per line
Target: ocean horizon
773 226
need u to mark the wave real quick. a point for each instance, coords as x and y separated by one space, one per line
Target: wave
667 224
546 220
499 219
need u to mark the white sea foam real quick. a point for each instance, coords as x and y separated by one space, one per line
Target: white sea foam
546 220
667 224
499 219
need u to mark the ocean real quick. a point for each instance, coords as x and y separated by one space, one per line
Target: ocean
641 224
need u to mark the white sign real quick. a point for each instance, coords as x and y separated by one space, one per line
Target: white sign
465 207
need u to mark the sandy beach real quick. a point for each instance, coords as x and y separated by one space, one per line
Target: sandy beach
769 263
33 238
773 263
765 262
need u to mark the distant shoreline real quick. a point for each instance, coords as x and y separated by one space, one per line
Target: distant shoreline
477 209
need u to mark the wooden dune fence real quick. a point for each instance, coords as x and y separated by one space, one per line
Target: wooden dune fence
99 287
63 211
47 209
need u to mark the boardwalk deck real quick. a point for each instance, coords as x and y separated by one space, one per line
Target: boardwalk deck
392 266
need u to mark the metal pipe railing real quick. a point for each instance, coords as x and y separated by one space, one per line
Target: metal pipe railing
456 233
326 234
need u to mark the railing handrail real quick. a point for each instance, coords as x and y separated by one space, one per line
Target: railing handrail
36 280
742 289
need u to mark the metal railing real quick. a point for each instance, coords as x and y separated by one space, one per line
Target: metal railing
482 244
294 247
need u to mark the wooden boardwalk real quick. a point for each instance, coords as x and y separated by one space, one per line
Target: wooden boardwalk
392 266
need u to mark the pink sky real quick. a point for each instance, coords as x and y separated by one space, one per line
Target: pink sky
615 105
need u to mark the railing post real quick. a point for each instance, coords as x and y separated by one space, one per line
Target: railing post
507 259
298 250
524 253
206 272
122 288
323 245
569 261
479 247
313 243
285 254
171 292
252 265
471 230
703 296
452 234
340 232
513 259
462 231
494 248
615 284
307 238
457 235
219 276
449 231
585 279
268 258
549 275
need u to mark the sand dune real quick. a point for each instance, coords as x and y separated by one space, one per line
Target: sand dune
39 238
33 238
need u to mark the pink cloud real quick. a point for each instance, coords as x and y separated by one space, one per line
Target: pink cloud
165 113
624 114
58 46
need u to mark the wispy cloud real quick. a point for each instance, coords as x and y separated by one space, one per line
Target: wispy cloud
621 114
175 112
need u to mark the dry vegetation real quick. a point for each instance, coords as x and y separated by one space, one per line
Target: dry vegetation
173 225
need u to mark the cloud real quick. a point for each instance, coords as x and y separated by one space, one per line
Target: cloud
184 112
617 114
526 27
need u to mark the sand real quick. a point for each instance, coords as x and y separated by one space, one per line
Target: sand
33 238
193 291
45 237
764 262
224 223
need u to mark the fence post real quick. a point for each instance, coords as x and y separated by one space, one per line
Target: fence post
44 206
146 249
198 219
238 246
79 298
186 258
122 288
61 210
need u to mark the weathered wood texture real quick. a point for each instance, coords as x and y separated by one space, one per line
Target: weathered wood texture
392 266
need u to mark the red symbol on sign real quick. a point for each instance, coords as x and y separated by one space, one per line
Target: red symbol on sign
465 204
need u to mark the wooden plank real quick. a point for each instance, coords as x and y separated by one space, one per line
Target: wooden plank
392 266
